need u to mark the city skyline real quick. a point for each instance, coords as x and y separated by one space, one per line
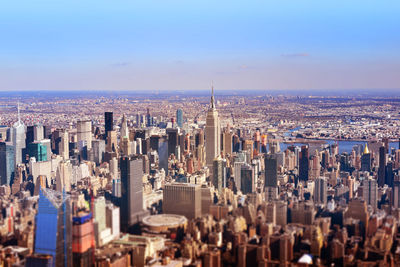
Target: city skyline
176 45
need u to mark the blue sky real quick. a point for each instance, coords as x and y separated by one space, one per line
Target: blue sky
177 45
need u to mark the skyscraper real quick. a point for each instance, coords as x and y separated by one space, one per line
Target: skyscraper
212 131
131 191
179 117
38 151
382 166
247 183
7 165
84 133
370 192
109 122
18 139
271 170
320 190
172 140
366 160
303 164
219 173
53 227
124 127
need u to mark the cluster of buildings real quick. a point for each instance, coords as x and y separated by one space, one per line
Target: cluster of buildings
140 191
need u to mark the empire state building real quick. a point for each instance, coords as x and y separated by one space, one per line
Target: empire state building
213 134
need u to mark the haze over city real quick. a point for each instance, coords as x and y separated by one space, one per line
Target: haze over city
183 45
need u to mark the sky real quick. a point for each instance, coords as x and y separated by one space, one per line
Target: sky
184 45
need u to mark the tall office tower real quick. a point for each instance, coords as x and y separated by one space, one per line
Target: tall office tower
163 154
18 139
199 138
236 144
247 181
257 142
396 194
148 118
172 140
183 199
98 150
271 170
30 135
281 212
389 175
63 145
53 227
179 117
109 123
154 140
370 192
84 133
237 165
111 141
366 159
125 146
116 187
38 151
63 175
358 209
320 191
82 240
7 164
264 143
124 127
212 131
114 167
248 145
219 173
131 191
303 164
227 142
385 142
382 166
38 132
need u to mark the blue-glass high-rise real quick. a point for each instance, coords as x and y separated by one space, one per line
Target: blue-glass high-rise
52 236
179 117
7 163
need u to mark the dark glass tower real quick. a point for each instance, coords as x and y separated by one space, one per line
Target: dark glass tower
131 191
271 170
109 122
382 166
303 164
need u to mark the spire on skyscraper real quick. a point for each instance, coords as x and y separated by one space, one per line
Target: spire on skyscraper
19 117
212 96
